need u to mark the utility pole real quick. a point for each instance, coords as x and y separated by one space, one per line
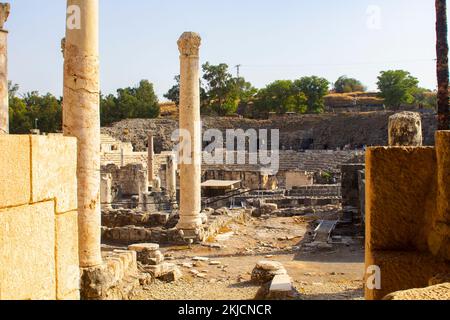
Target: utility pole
238 68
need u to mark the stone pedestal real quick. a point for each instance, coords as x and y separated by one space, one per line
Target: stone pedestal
81 119
190 171
4 98
405 130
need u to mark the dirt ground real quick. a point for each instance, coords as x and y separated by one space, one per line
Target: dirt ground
319 274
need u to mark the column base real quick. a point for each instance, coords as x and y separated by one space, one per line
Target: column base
192 236
115 279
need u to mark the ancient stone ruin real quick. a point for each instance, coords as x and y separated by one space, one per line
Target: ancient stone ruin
100 214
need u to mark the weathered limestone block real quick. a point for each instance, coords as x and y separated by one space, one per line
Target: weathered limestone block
148 257
67 260
27 246
143 246
54 170
265 271
160 270
439 238
405 130
282 288
403 271
439 292
15 175
129 258
172 276
400 188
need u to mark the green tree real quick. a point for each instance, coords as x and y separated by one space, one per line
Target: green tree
280 96
46 109
174 93
347 85
425 99
315 89
223 93
19 121
397 87
130 103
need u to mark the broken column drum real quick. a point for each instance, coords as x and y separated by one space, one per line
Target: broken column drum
405 130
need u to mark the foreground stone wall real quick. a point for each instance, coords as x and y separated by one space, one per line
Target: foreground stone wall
38 218
407 215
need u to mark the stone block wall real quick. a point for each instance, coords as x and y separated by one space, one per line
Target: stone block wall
408 215
38 218
127 180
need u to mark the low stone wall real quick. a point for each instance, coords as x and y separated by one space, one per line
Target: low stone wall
129 217
408 215
131 234
38 218
292 202
316 191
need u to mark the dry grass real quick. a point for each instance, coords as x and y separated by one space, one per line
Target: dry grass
168 110
362 98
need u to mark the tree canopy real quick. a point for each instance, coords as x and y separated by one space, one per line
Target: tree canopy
32 109
45 112
397 87
315 89
281 96
348 85
130 103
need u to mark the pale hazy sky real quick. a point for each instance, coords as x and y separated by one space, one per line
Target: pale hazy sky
283 39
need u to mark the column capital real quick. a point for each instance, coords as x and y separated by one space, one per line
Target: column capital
5 9
189 44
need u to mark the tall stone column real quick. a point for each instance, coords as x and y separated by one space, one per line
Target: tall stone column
151 156
171 177
190 171
81 119
4 98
